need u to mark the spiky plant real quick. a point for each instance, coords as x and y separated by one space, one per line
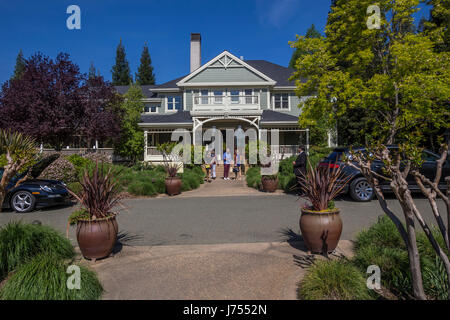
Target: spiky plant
100 192
17 151
321 185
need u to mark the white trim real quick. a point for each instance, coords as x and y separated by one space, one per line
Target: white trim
228 84
164 124
150 112
152 100
166 90
285 88
166 98
182 82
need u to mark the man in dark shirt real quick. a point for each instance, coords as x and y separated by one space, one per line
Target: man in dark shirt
300 163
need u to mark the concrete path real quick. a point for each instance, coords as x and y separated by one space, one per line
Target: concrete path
224 188
267 271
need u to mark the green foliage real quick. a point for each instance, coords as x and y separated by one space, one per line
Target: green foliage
192 178
390 80
81 214
381 234
79 162
142 188
310 33
131 142
19 242
20 67
253 177
44 277
382 245
75 187
145 75
333 280
121 75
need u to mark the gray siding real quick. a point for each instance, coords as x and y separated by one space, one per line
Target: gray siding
226 75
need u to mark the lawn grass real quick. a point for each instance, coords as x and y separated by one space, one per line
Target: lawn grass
44 277
20 242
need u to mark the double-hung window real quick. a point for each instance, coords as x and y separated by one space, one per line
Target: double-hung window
234 94
248 96
281 101
218 96
174 103
204 97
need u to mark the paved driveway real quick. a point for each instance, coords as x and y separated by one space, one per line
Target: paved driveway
215 220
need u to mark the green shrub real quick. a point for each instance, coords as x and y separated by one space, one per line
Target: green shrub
79 162
19 242
316 154
253 177
75 187
44 278
141 188
333 280
192 178
383 234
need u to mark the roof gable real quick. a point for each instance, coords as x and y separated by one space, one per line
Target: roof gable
226 69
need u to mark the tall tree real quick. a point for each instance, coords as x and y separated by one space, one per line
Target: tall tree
20 65
93 72
145 73
52 101
131 142
121 75
311 33
400 82
437 27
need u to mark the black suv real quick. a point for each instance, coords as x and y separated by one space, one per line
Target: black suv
360 189
35 193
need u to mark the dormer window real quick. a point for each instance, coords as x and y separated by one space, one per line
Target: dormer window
150 109
174 103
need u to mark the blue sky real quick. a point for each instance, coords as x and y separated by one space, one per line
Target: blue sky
254 29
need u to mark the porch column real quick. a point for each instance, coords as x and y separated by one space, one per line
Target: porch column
145 144
307 141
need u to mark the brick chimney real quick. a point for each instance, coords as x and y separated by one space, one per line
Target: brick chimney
196 60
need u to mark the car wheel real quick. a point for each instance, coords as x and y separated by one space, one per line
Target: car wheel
23 201
361 190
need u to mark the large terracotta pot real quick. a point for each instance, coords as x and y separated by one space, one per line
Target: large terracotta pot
173 186
321 230
269 185
96 238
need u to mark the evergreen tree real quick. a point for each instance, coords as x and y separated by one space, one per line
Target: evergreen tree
92 71
121 75
131 142
19 69
145 73
310 33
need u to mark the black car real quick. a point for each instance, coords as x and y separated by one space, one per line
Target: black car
358 187
35 193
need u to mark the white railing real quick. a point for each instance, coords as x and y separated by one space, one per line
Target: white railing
219 103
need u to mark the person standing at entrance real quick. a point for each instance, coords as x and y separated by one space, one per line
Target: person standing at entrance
213 164
300 163
226 164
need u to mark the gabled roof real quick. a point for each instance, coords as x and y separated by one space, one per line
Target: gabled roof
176 117
146 90
278 73
231 58
271 71
275 116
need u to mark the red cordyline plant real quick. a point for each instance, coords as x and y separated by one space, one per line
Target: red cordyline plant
321 185
100 192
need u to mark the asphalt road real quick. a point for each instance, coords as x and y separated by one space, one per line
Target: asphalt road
215 220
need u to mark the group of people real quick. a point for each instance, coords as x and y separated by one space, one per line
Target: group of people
238 163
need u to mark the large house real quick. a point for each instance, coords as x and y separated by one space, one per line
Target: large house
227 92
